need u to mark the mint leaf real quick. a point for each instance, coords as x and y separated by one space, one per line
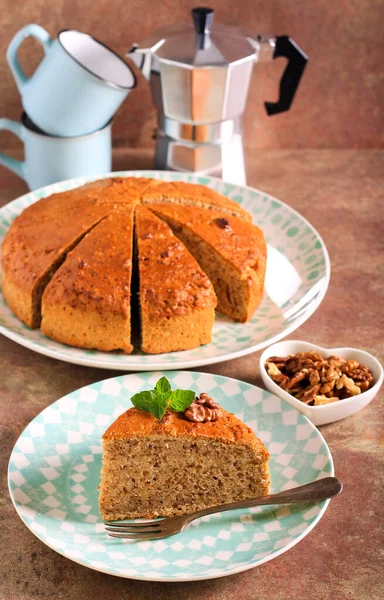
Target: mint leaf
142 400
157 400
158 406
163 388
181 399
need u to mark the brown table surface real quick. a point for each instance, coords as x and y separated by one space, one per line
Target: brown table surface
341 193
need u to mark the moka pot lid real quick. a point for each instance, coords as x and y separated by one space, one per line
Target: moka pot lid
201 43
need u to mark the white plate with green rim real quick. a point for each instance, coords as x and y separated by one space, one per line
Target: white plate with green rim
298 272
54 471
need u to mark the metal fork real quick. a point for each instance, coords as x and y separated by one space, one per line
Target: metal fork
161 528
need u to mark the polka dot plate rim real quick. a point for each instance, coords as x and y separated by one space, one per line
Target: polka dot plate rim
54 470
298 273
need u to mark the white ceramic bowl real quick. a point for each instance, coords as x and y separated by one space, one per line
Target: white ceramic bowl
326 413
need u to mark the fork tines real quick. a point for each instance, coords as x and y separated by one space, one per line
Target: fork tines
144 530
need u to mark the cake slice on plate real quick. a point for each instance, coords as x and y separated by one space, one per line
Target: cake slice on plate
177 300
31 254
184 462
88 301
190 194
231 251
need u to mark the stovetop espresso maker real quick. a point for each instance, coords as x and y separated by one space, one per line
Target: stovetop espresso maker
199 75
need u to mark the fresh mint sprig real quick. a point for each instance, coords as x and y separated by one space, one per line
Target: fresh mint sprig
157 401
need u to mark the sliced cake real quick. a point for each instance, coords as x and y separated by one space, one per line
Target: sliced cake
88 301
231 251
32 253
177 300
190 194
162 468
215 244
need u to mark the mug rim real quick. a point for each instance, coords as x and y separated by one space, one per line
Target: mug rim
110 83
43 134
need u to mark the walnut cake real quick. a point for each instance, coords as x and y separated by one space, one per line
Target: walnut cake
68 264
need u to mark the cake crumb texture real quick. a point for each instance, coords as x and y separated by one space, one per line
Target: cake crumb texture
231 251
164 468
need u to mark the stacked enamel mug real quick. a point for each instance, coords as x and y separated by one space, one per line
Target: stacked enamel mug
69 104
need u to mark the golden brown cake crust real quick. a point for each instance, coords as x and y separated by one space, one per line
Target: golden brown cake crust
178 300
57 203
241 243
30 249
192 194
88 301
165 468
110 191
231 251
98 271
138 423
31 254
171 281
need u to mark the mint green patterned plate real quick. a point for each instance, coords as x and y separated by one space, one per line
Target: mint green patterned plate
297 279
54 472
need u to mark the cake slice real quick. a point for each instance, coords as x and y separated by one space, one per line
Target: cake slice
175 466
112 191
177 300
88 301
190 194
32 253
231 251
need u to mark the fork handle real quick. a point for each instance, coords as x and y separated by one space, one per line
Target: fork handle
316 490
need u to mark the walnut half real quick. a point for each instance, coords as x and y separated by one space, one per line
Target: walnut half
203 409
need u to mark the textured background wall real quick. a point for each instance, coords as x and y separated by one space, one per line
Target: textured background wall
338 102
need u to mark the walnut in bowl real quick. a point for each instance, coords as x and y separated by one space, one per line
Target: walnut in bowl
324 390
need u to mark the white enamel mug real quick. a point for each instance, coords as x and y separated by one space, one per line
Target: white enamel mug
77 87
49 159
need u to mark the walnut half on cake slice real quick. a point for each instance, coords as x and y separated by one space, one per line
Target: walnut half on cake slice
182 462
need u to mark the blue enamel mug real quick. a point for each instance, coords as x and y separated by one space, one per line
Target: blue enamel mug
48 159
77 87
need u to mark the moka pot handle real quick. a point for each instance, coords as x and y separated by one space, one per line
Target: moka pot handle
292 75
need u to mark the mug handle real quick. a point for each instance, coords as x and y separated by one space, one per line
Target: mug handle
17 166
29 30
